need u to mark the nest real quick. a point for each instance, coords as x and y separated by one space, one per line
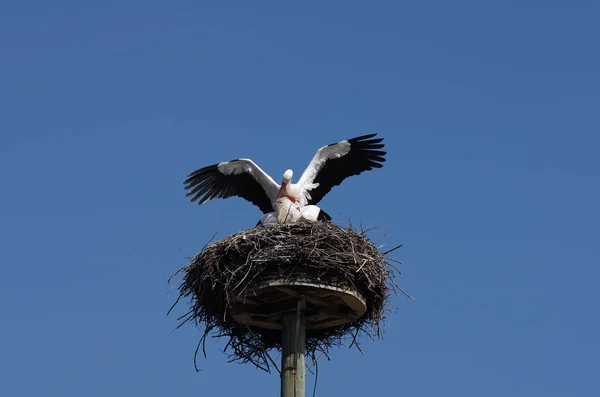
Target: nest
228 269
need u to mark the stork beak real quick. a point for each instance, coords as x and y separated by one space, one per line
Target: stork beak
280 193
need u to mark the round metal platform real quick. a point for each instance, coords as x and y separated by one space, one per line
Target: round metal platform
326 306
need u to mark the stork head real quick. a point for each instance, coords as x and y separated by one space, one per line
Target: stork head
287 179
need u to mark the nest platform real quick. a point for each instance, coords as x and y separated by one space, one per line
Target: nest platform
239 288
325 306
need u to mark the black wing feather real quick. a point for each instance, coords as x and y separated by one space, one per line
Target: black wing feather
364 155
323 216
209 183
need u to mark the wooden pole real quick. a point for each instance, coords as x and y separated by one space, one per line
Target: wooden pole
293 337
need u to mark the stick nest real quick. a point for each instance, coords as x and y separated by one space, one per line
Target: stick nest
323 252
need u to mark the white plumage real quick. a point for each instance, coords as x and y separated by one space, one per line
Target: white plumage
289 212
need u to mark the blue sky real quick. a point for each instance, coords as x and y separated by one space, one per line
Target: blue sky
490 117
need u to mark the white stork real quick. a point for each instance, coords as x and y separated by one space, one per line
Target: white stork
328 168
290 212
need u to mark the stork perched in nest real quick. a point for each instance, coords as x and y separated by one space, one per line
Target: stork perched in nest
288 202
289 211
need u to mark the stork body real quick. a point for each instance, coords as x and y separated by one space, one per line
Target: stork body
312 213
290 212
328 168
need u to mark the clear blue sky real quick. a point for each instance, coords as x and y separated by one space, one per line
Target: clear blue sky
490 116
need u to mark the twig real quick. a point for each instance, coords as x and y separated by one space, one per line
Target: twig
195 355
264 351
407 295
316 378
361 266
393 249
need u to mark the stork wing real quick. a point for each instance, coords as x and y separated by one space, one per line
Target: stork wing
241 177
336 162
